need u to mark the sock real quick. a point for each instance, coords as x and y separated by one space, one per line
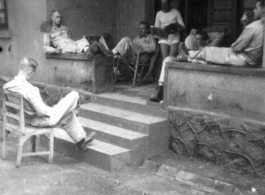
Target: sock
114 51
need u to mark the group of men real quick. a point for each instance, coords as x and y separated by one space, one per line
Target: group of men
247 50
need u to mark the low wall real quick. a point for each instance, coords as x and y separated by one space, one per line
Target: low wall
50 94
217 113
76 71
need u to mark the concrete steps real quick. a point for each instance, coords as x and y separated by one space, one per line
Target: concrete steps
119 117
113 134
100 154
127 132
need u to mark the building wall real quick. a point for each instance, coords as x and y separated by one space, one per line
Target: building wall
91 17
128 15
24 18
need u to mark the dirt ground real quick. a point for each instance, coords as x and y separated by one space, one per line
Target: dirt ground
245 182
68 176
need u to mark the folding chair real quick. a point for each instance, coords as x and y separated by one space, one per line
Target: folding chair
143 59
14 122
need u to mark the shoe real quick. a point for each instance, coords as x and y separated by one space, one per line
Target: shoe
94 47
83 144
181 58
158 96
117 56
104 50
183 50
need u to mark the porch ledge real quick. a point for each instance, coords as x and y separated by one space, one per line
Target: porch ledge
246 71
67 56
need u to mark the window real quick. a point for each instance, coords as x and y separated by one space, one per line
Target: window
3 15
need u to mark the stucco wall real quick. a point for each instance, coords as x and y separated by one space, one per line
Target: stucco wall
217 113
83 17
24 18
128 15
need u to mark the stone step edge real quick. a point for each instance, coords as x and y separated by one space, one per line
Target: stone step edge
193 179
61 134
104 100
85 108
135 135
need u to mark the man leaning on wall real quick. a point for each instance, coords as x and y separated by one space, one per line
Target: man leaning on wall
56 39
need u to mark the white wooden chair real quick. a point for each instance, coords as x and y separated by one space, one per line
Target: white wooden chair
14 122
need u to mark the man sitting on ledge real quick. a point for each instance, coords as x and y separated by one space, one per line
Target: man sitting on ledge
38 114
246 51
57 40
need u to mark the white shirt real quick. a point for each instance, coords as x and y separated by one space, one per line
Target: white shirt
164 19
250 42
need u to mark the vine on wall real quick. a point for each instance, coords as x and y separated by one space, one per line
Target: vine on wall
222 141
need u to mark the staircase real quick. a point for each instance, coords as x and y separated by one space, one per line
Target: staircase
128 131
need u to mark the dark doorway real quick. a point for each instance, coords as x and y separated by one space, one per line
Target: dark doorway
197 13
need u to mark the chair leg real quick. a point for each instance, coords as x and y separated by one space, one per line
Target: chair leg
117 67
135 71
4 143
51 146
19 152
33 143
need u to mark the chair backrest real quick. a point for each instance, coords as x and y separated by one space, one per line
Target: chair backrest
13 111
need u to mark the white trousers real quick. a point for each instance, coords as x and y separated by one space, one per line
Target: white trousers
125 45
163 69
74 46
218 55
62 115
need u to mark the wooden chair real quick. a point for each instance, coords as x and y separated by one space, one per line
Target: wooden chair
14 122
143 60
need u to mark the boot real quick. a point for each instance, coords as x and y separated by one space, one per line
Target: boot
158 96
83 144
92 50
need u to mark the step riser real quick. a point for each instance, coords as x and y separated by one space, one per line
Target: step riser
118 141
92 157
115 121
135 107
158 139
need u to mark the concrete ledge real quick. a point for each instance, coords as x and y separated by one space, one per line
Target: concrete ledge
68 56
246 71
77 71
217 113
235 91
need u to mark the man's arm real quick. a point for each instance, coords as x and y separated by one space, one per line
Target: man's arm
243 41
47 44
151 45
37 103
147 45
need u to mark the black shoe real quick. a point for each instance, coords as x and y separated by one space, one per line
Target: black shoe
83 144
158 96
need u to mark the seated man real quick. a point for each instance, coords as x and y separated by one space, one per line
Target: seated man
195 41
57 40
246 51
144 42
38 114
